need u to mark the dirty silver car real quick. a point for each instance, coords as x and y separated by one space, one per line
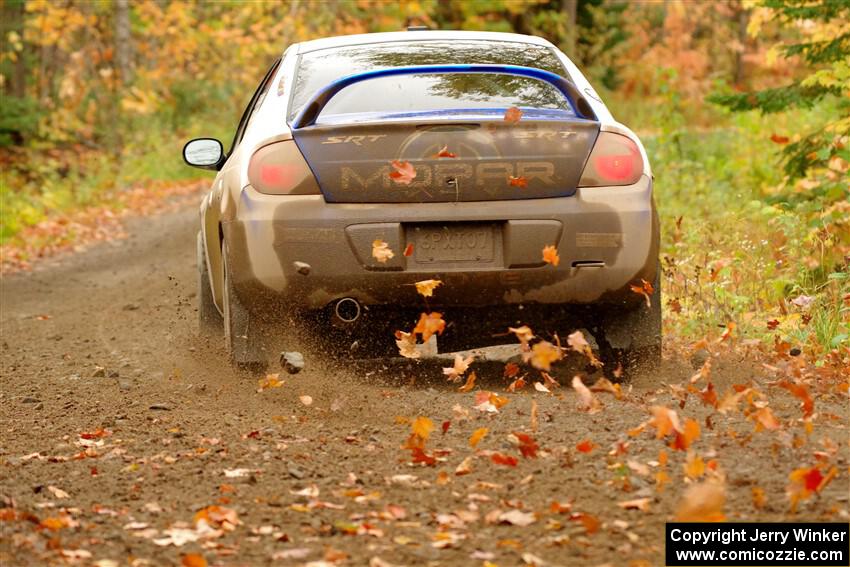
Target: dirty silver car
364 164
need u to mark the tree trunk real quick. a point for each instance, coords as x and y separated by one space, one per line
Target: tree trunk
569 10
13 21
743 20
123 45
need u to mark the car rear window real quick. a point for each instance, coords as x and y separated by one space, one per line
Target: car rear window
428 92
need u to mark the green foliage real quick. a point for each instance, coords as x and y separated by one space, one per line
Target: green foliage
19 119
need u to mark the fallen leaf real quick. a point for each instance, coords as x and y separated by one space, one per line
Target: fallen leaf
550 255
58 492
605 385
430 324
502 459
694 466
543 354
586 446
403 172
777 139
306 400
445 426
426 287
591 523
465 467
477 436
517 518
513 115
759 497
641 504
193 560
422 427
381 251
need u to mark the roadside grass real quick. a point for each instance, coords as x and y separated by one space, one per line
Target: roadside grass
741 244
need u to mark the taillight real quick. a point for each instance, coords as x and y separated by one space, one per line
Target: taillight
615 160
280 169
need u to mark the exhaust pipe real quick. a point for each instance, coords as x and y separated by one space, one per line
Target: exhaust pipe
347 310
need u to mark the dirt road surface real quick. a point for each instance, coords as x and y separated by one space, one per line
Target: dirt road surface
129 441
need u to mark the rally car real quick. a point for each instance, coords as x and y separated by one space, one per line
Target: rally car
485 161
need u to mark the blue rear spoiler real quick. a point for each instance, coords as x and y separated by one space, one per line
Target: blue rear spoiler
311 110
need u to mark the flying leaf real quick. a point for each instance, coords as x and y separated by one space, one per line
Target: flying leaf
381 251
418 455
543 354
422 427
523 335
513 115
765 419
426 287
807 481
429 324
541 388
193 560
470 382
461 365
465 467
586 400
408 251
690 433
702 502
645 289
511 370
550 255
694 466
586 446
533 416
444 153
579 344
406 343
665 421
477 436
777 139
527 445
404 172
270 381
520 182
605 385
801 392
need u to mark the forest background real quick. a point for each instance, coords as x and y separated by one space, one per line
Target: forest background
744 107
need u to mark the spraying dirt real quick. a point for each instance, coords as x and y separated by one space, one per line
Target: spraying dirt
127 440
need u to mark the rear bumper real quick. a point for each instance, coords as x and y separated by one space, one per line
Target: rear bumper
607 238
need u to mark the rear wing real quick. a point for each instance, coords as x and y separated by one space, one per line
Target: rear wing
310 113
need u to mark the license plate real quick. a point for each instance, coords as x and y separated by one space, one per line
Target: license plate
464 243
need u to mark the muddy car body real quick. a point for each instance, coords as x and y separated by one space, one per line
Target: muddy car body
308 186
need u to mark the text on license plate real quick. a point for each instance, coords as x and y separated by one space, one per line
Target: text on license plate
453 244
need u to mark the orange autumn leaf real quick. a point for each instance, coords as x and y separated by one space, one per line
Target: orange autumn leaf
497 400
477 436
690 433
591 524
523 335
586 446
217 516
381 251
408 251
511 370
270 381
645 289
580 345
550 255
445 426
444 153
426 288
517 384
456 371
777 139
193 560
765 419
527 445
759 497
665 421
520 182
801 392
502 459
470 383
694 466
403 172
513 115
418 455
422 427
429 324
543 354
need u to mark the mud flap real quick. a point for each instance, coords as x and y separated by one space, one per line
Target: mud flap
242 332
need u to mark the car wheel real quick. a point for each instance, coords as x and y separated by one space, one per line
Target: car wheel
209 319
242 337
631 340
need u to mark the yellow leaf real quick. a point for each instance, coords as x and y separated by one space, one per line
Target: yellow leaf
426 287
422 426
477 436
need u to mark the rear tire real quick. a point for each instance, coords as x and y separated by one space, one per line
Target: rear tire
242 333
631 340
209 319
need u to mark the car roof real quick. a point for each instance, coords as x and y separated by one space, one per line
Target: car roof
418 35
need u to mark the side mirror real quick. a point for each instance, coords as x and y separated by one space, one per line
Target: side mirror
206 153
